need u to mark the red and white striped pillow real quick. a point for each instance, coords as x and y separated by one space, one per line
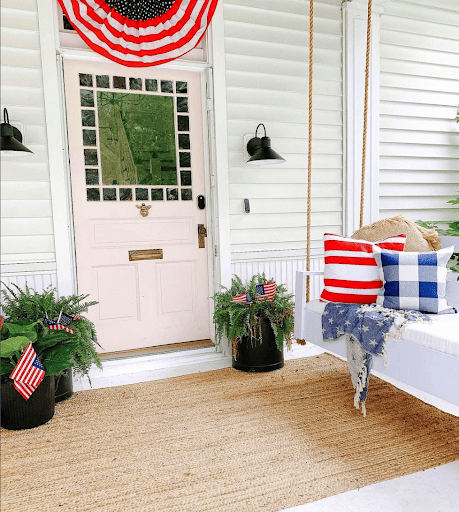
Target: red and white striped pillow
351 272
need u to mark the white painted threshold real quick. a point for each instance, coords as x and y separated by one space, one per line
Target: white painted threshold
132 370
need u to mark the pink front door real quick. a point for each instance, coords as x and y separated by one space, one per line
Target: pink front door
136 146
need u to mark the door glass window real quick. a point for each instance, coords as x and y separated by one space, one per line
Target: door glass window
151 85
90 157
89 137
109 194
103 81
92 177
125 194
135 84
157 194
136 138
172 194
93 194
85 79
119 82
141 194
187 195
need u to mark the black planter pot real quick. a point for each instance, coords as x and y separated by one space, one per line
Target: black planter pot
253 356
18 414
64 386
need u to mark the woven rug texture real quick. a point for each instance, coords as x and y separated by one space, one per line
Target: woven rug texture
222 441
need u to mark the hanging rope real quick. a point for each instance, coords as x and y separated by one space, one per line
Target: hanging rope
365 115
308 228
365 129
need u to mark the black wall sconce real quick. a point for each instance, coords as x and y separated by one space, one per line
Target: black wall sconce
11 140
260 150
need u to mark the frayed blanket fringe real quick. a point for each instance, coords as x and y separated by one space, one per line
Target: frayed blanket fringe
359 357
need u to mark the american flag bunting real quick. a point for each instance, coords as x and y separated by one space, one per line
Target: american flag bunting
137 32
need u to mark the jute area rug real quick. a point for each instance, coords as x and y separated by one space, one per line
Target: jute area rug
222 441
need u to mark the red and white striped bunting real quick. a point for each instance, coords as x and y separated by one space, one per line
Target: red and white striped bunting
137 42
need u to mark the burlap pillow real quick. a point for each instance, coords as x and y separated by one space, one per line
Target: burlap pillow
418 239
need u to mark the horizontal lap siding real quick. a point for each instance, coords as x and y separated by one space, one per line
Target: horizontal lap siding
419 151
26 224
266 48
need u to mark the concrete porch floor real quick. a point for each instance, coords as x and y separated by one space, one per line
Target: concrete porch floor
434 490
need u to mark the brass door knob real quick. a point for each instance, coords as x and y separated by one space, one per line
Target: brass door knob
202 233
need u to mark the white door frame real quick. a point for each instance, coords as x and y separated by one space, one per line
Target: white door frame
217 211
57 149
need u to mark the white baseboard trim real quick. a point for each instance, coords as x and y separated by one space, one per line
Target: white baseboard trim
120 372
132 370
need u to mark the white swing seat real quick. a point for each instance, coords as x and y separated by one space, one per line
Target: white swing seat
425 358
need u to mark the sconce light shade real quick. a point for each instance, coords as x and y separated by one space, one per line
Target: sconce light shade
11 139
260 150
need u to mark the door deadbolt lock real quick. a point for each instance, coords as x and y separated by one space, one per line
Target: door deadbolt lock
202 233
201 202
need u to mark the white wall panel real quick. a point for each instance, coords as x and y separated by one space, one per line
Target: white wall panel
27 230
419 150
267 65
18 16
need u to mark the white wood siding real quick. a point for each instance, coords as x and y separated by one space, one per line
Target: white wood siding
419 151
266 48
27 228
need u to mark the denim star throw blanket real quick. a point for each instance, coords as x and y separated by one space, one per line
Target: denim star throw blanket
366 327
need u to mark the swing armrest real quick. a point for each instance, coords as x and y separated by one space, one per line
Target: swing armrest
300 298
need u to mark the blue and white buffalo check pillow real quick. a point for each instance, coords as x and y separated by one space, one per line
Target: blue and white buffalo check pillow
413 280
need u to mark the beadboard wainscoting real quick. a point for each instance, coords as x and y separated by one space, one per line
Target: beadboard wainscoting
37 276
282 270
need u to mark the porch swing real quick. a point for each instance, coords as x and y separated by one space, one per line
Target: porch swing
426 356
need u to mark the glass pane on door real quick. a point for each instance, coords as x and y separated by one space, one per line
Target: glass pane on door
139 137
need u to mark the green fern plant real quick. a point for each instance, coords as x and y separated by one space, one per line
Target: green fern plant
453 230
236 320
25 311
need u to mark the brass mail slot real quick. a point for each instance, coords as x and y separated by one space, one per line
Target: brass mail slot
146 254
